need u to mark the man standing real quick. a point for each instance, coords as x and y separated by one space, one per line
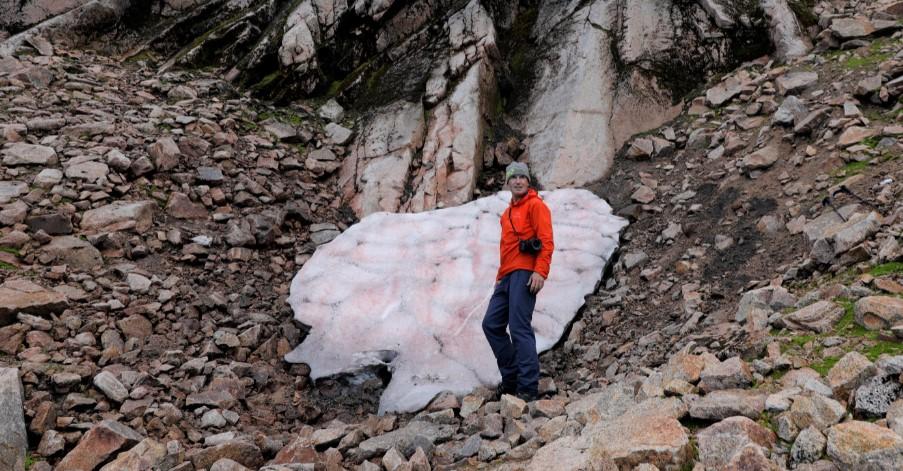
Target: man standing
525 252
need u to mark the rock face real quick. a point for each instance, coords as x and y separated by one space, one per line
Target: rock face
598 74
444 338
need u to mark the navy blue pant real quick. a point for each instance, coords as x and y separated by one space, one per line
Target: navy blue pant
511 307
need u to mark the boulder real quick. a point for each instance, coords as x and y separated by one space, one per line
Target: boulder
238 450
718 443
90 171
73 251
855 135
147 454
795 82
20 295
816 411
851 28
98 445
762 158
874 397
13 436
791 111
818 317
407 439
569 453
165 154
856 445
808 446
878 312
119 216
849 372
724 91
12 189
20 153
180 206
719 405
731 373
632 440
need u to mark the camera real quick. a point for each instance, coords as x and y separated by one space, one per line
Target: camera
531 246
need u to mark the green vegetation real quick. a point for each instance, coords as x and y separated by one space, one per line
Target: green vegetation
890 268
871 58
11 250
7 266
30 461
871 142
867 342
850 169
286 116
267 80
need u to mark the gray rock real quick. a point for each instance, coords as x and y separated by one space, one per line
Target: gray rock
878 312
791 110
210 174
874 397
165 154
728 374
851 28
73 251
111 387
48 178
723 91
407 439
118 216
20 153
812 121
762 158
282 131
816 411
13 436
52 223
12 189
90 171
795 82
338 134
332 111
818 317
719 405
719 442
808 447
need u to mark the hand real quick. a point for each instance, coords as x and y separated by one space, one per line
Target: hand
535 283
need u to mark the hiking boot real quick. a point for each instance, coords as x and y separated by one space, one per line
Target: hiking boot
503 389
527 396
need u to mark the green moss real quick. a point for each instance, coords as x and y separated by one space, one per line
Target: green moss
871 58
883 347
11 250
825 365
850 169
267 80
7 266
871 142
890 268
286 116
30 460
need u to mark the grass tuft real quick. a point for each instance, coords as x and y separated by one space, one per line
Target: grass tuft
890 268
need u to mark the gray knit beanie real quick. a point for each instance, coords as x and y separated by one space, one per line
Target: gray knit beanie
516 168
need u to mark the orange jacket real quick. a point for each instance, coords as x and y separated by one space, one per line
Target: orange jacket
531 218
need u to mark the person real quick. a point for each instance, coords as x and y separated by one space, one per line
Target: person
520 277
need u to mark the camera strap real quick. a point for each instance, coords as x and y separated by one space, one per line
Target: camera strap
516 234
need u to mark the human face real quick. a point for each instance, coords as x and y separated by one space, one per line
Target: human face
518 185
